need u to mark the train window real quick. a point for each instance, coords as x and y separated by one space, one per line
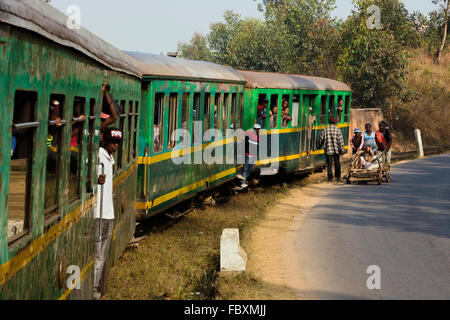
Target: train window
55 138
226 98
261 112
22 154
90 146
157 122
233 110
196 118
123 115
241 111
323 109
332 107
185 111
274 111
76 148
207 112
109 109
347 109
173 120
340 109
196 115
130 130
286 111
295 109
217 108
136 128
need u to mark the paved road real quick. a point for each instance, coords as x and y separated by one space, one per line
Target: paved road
402 227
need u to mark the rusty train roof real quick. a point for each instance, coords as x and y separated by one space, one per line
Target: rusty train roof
170 67
42 18
268 80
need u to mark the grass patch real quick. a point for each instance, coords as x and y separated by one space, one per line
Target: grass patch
180 260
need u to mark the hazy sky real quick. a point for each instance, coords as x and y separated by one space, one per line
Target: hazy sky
156 26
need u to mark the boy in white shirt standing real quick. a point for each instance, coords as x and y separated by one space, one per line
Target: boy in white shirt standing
104 215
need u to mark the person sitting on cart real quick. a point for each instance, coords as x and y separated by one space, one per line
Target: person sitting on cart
368 159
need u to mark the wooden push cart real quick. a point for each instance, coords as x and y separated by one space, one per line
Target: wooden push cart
378 173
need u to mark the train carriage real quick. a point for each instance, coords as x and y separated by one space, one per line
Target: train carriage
50 76
297 138
195 96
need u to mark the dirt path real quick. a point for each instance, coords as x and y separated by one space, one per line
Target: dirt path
271 248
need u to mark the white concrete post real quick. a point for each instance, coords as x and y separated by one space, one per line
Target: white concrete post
418 135
232 257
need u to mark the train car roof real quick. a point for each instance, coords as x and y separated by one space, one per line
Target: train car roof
269 80
42 18
170 67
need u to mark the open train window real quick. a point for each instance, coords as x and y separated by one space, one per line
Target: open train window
23 141
197 138
347 109
274 111
262 113
157 122
136 128
207 112
226 99
122 118
295 109
340 108
55 138
332 107
90 146
323 109
185 112
78 121
173 120
217 110
286 111
233 111
241 111
130 130
109 108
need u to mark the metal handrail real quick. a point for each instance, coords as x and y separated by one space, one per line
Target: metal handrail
25 125
54 123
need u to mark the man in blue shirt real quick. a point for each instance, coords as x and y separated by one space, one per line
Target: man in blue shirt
369 138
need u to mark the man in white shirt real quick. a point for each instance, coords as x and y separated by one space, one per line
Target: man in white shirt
104 215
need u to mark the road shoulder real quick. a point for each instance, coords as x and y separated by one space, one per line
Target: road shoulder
271 252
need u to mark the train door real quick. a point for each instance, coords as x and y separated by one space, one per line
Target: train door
297 116
309 120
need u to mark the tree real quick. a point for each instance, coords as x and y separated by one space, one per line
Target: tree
445 28
196 49
221 35
306 34
373 61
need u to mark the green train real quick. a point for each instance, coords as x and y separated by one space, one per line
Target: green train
179 119
179 93
47 187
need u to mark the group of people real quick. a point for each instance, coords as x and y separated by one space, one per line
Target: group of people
367 146
370 145
273 118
